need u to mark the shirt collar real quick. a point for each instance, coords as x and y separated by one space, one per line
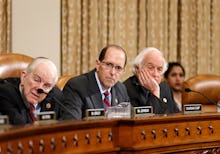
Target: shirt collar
101 88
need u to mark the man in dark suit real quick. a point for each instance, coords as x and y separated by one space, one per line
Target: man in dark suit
144 87
87 90
18 95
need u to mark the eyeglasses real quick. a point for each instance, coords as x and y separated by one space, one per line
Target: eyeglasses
111 66
37 80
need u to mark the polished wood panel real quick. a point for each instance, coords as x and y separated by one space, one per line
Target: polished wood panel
177 134
61 137
160 134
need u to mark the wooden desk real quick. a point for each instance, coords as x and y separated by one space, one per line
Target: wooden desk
176 134
162 134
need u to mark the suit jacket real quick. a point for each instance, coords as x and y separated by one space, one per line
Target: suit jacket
82 92
12 104
140 96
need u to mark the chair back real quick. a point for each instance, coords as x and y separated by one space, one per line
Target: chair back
206 84
11 64
63 80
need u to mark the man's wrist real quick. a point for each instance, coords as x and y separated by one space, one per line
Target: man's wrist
156 93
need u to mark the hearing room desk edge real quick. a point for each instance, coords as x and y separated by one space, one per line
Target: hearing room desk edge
193 133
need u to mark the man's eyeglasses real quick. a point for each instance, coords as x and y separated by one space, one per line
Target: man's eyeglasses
111 66
37 80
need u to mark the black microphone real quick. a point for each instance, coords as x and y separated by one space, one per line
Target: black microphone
41 91
206 97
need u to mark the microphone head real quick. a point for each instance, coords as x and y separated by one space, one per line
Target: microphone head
40 91
188 90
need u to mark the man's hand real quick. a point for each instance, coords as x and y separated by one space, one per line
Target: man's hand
148 82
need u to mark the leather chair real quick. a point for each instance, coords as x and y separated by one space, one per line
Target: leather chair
11 64
63 80
205 84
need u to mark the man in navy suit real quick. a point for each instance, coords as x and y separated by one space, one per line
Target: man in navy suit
87 90
17 95
144 87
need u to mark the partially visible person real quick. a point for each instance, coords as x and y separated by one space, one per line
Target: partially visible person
175 76
145 87
20 96
87 91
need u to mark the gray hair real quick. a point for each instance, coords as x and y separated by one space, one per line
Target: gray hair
139 58
40 60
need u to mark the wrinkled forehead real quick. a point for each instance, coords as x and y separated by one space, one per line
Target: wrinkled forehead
45 72
153 58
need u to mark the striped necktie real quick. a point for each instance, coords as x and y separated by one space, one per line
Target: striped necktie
106 100
31 112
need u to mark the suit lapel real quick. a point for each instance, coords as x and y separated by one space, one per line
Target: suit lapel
97 102
94 100
114 97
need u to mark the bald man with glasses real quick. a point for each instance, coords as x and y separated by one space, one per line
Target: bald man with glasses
89 90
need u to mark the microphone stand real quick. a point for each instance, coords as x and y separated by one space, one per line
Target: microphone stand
188 90
41 91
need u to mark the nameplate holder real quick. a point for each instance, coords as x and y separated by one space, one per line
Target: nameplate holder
46 116
142 111
192 108
4 120
92 114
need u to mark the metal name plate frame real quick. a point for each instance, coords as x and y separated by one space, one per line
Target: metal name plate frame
4 120
143 111
92 114
45 116
192 108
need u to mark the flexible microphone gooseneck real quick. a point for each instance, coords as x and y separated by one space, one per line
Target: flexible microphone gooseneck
188 90
41 91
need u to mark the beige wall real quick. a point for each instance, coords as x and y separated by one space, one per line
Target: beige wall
36 28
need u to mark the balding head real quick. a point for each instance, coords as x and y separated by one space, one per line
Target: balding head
46 64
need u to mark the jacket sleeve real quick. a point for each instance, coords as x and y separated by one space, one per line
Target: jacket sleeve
12 105
73 101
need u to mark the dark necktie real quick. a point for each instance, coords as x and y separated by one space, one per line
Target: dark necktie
32 112
106 100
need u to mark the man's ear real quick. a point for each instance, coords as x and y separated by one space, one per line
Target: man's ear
97 64
22 76
137 69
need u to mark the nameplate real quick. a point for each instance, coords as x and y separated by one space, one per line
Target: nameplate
143 111
46 116
193 108
4 120
95 114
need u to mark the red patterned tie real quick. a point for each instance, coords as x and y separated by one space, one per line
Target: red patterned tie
32 112
106 100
